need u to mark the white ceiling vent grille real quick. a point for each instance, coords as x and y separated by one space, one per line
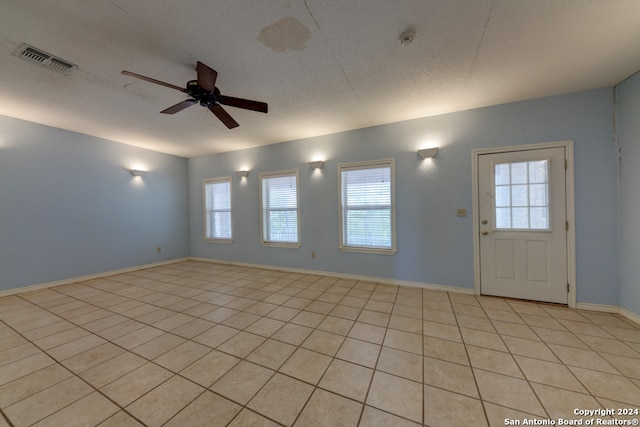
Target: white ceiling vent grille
37 56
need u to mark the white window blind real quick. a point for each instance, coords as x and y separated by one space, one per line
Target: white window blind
367 206
217 206
279 200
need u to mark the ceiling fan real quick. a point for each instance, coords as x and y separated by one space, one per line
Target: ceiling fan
204 91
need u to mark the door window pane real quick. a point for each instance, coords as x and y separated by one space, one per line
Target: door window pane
521 192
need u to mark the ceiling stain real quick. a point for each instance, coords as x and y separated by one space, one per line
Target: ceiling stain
286 34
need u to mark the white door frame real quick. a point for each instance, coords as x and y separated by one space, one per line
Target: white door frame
571 234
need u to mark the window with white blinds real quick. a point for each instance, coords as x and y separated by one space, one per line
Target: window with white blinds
217 210
279 204
367 206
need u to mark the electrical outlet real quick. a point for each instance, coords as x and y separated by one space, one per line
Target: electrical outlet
313 255
461 212
159 249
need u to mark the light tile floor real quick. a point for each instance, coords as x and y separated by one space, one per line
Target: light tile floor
202 344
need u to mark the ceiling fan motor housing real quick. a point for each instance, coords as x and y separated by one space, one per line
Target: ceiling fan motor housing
203 96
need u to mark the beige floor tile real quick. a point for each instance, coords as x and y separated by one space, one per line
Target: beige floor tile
445 409
242 382
547 322
563 313
373 417
265 327
504 316
241 320
208 369
119 330
320 307
46 402
112 369
551 336
163 402
307 318
366 332
628 366
354 302
50 329
292 334
582 358
336 325
248 418
346 312
614 387
172 322
58 339
609 346
528 348
33 383
483 339
478 323
306 365
561 403
407 311
192 328
624 334
494 361
469 310
242 344
329 410
215 336
88 411
220 314
271 354
323 342
133 385
208 410
158 346
432 314
182 356
138 337
515 330
24 366
450 376
501 416
281 399
553 374
93 357
347 379
283 313
441 330
374 318
446 350
359 352
508 391
400 363
403 341
585 328
396 395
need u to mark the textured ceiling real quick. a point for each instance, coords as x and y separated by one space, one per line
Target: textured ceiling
323 66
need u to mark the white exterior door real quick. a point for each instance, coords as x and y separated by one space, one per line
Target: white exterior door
522 214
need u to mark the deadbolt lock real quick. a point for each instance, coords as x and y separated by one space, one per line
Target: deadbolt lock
484 222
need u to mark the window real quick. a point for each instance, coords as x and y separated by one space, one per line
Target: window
279 203
367 206
217 210
522 195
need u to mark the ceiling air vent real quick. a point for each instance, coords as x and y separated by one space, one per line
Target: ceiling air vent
37 56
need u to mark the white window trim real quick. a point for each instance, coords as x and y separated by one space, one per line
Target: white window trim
367 165
204 208
274 174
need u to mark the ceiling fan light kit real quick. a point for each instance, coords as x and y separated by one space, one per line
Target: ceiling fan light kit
204 92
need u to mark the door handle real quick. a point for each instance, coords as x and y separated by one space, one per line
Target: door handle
485 232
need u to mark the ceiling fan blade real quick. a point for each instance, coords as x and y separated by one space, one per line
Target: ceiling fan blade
179 106
244 103
223 116
149 79
206 77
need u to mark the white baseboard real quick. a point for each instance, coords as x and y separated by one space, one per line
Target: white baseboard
430 286
36 287
597 307
630 315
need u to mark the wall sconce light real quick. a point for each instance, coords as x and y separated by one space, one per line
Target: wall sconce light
242 174
317 164
428 153
136 172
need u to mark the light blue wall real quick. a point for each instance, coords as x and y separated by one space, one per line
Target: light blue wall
434 246
69 206
628 124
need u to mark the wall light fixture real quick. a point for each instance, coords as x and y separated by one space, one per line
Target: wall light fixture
428 153
137 172
242 174
318 164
